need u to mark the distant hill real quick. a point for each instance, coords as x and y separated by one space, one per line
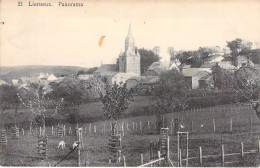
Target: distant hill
8 73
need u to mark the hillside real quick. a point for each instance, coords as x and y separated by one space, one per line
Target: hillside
15 72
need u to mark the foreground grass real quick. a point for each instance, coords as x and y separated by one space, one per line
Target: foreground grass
23 151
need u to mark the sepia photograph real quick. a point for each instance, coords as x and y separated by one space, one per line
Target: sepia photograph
133 83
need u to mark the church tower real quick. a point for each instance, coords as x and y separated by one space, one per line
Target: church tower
129 61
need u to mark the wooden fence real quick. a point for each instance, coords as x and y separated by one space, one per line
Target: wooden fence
223 156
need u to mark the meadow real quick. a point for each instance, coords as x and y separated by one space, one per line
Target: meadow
136 141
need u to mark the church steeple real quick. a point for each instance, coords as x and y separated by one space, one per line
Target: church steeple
129 41
130 30
129 60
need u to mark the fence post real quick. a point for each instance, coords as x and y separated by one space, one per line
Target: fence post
124 161
89 128
168 148
187 152
127 126
64 129
23 131
133 126
148 124
242 149
51 130
200 157
191 126
78 155
95 129
159 156
180 159
222 156
31 128
214 125
258 146
178 146
142 159
123 129
251 125
70 131
231 125
141 129
104 129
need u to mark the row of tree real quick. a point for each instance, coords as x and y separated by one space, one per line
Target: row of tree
57 98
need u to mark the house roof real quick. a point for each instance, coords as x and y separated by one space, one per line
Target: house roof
29 79
159 67
3 82
210 65
84 76
151 79
190 72
201 74
145 80
186 66
107 70
207 77
216 49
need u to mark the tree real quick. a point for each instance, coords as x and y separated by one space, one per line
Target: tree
192 58
68 95
237 47
89 71
9 100
156 50
171 53
204 52
245 82
147 58
255 56
35 99
115 102
219 76
169 94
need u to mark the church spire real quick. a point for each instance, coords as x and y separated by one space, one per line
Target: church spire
130 29
129 41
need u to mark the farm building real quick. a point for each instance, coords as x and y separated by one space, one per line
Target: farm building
243 61
84 76
156 69
2 82
193 75
134 81
206 82
122 77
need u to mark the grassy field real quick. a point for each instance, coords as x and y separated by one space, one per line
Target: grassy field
23 151
92 111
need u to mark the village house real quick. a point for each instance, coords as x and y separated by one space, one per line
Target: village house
206 82
192 76
85 76
2 82
156 69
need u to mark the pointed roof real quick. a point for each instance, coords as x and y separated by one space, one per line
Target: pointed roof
129 39
130 29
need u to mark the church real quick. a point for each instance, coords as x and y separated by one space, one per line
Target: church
128 64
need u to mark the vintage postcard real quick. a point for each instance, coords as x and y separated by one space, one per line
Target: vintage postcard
129 83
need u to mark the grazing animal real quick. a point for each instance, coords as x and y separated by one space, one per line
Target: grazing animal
75 144
61 145
202 125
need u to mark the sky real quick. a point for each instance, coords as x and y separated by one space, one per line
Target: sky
69 35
